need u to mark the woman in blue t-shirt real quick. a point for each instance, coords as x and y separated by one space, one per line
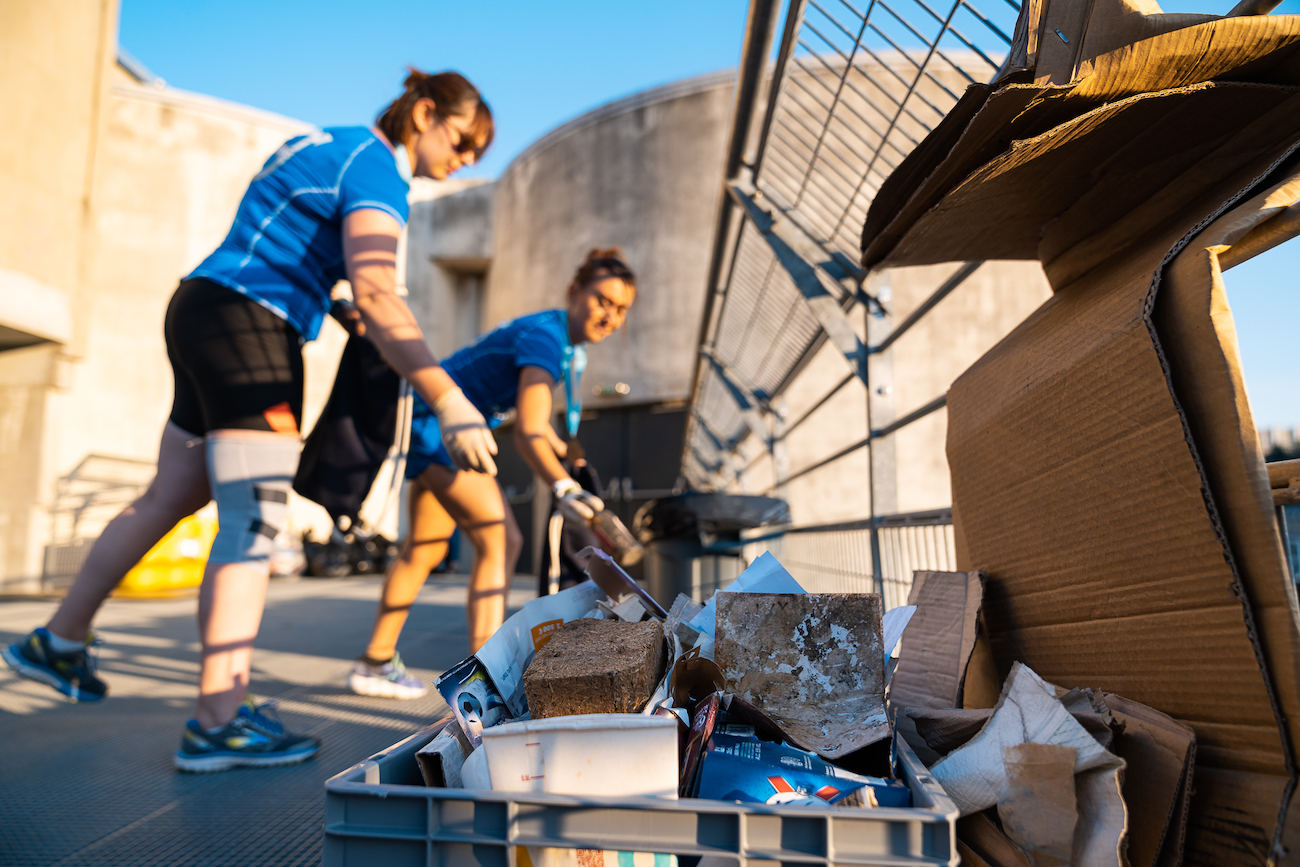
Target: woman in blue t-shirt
513 367
326 206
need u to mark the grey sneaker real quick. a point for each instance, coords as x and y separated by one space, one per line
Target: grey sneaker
390 680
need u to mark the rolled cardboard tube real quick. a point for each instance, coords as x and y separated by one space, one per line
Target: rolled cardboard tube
1284 474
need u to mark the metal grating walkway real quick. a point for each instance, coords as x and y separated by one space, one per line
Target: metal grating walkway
93 785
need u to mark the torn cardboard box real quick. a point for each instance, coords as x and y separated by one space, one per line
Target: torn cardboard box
812 662
975 775
1106 472
935 648
442 758
1161 755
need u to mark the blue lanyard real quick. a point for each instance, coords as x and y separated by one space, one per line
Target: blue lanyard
572 366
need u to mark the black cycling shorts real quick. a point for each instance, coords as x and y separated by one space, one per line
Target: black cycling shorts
237 365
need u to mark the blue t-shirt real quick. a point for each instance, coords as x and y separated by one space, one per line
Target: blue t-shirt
285 249
488 372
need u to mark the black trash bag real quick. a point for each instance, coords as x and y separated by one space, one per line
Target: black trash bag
346 448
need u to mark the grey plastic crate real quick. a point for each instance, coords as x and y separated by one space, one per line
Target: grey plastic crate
379 812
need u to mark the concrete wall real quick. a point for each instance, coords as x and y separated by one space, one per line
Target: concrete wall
448 254
109 225
908 470
53 64
642 173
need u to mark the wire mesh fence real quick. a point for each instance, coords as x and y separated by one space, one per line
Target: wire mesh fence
837 558
855 90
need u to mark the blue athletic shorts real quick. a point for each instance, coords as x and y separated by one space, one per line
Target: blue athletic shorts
424 433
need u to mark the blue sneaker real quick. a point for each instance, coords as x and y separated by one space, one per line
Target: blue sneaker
255 738
72 674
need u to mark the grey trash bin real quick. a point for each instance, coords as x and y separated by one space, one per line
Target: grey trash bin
693 543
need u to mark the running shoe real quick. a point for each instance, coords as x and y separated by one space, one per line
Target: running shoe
390 680
255 738
72 674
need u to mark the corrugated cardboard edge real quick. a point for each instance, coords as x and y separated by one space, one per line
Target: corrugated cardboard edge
1167 60
1172 750
937 644
1231 463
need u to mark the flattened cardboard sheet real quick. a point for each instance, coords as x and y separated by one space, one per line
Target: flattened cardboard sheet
1037 807
1160 753
937 643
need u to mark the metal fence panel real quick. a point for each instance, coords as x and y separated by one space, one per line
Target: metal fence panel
856 87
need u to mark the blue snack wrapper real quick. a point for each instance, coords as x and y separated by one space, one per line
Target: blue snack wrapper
736 766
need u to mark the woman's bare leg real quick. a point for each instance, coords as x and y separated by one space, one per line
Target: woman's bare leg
178 490
424 548
474 501
230 614
514 538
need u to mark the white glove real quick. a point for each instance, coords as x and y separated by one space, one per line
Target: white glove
574 503
465 433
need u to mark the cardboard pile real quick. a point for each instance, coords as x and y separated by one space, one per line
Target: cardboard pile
1106 473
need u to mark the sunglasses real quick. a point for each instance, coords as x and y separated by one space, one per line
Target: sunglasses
463 144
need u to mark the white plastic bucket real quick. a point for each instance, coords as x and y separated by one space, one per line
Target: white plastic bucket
591 754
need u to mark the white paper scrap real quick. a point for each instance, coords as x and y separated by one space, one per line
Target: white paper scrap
764 575
974 775
895 621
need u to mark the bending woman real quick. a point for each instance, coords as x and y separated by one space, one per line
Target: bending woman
326 205
515 366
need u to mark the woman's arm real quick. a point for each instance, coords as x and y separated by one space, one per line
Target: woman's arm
533 423
533 438
370 249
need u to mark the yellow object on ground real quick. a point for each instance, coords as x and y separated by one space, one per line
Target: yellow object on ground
175 565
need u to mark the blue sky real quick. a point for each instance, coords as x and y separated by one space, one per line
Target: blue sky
541 63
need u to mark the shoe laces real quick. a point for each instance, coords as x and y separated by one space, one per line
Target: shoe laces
88 661
92 640
265 717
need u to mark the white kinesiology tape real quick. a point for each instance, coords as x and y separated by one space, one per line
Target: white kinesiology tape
250 477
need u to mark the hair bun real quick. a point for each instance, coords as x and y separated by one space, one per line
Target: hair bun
606 253
604 262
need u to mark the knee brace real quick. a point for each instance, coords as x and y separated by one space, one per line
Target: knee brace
250 479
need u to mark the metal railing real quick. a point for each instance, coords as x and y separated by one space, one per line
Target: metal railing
838 558
85 500
852 92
